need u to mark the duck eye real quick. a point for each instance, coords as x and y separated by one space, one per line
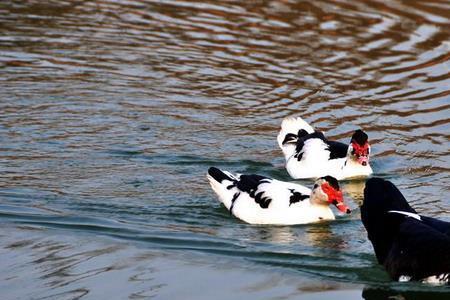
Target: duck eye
316 186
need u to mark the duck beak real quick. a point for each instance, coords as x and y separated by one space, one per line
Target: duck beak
363 160
342 207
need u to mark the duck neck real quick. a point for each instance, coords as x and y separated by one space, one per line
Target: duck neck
351 165
321 207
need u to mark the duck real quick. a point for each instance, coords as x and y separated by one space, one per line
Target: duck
410 246
257 199
309 154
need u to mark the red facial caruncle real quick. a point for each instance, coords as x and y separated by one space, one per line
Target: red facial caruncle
361 153
335 197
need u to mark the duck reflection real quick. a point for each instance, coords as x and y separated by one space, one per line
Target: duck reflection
278 234
380 293
355 190
315 235
325 236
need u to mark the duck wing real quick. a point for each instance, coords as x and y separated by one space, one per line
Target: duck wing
316 141
256 191
418 251
337 149
439 225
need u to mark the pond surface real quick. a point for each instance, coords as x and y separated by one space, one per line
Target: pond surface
112 111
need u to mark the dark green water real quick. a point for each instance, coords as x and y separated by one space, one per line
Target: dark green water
112 111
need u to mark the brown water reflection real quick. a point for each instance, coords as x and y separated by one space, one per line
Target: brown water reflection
111 111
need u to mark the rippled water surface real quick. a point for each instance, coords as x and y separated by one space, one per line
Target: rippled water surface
112 111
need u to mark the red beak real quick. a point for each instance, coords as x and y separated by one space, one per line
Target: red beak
342 207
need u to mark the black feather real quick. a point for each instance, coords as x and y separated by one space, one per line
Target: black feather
404 245
290 138
296 197
235 196
250 184
261 200
336 149
381 196
218 175
332 181
418 251
360 137
302 133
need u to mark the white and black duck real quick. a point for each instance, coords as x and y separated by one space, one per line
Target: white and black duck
408 245
309 154
257 199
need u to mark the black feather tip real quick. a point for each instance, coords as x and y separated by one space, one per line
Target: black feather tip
218 175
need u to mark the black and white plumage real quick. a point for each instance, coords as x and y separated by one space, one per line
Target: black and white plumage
410 246
309 154
257 199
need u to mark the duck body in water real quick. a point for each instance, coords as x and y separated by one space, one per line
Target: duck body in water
257 199
309 154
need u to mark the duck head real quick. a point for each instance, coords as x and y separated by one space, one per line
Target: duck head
326 191
359 148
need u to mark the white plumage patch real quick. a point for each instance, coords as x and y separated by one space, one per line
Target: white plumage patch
404 278
409 214
437 279
313 162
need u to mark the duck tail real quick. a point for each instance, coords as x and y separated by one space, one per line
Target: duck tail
222 183
291 129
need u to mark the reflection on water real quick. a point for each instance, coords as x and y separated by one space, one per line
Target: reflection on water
112 111
278 234
318 235
52 266
403 293
355 191
323 236
68 268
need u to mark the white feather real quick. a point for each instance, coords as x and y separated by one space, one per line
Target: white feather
404 278
409 214
433 280
437 279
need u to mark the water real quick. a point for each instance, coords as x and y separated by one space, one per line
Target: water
112 111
